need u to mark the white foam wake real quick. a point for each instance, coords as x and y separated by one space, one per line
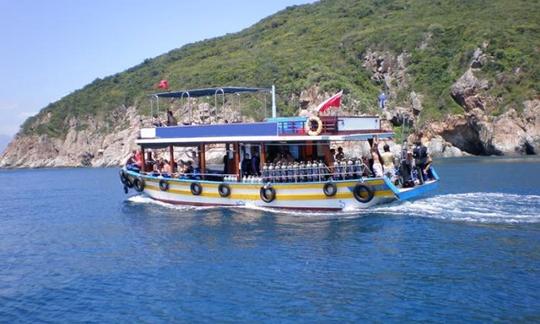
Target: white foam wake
140 199
479 207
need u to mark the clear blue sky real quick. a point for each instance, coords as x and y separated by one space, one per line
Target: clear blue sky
50 48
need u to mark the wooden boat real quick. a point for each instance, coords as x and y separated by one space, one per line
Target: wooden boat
311 180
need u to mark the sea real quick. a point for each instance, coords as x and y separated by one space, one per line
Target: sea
75 248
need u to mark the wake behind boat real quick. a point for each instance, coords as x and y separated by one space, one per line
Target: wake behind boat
280 162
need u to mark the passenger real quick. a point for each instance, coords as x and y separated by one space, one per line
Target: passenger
182 169
388 161
377 166
340 155
421 159
156 122
246 166
427 168
149 161
166 169
194 160
288 157
279 158
157 167
188 170
138 159
366 169
255 164
171 120
405 169
131 162
226 163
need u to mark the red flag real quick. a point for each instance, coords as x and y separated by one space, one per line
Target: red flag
163 84
334 101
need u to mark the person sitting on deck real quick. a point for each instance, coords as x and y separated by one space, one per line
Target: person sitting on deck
156 122
166 169
288 157
156 167
149 161
132 163
189 169
406 167
171 120
278 158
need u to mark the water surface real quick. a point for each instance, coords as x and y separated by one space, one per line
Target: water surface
74 248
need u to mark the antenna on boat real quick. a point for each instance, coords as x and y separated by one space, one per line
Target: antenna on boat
274 110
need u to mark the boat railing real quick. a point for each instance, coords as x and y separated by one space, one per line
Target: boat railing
297 125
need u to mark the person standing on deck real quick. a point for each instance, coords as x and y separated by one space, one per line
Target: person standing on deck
421 159
388 161
255 164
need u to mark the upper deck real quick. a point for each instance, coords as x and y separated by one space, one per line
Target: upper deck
288 129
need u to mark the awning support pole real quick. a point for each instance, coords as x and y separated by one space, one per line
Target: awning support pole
274 109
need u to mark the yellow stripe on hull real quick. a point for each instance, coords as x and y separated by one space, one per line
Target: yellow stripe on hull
256 195
288 195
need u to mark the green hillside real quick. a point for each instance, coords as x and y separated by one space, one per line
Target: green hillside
324 44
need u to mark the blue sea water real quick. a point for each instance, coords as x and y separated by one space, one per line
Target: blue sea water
74 248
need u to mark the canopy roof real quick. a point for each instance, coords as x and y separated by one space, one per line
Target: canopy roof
164 142
207 92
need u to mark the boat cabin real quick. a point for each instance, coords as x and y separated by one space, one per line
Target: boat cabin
281 149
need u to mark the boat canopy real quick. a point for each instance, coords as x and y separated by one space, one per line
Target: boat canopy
208 92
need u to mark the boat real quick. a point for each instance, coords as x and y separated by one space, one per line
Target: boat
278 162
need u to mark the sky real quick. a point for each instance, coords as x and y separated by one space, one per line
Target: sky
50 48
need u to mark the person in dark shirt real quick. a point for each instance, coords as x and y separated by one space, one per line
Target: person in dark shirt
340 155
171 120
420 155
246 165
255 164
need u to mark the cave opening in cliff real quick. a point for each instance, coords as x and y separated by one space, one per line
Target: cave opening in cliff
529 149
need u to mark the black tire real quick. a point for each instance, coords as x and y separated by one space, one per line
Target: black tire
363 193
123 177
139 184
163 185
196 188
268 194
224 190
129 183
330 189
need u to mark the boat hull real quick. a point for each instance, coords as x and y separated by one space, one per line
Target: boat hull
304 195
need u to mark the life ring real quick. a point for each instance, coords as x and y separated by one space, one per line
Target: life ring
163 185
268 194
308 128
196 188
363 193
139 184
330 189
123 177
224 190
